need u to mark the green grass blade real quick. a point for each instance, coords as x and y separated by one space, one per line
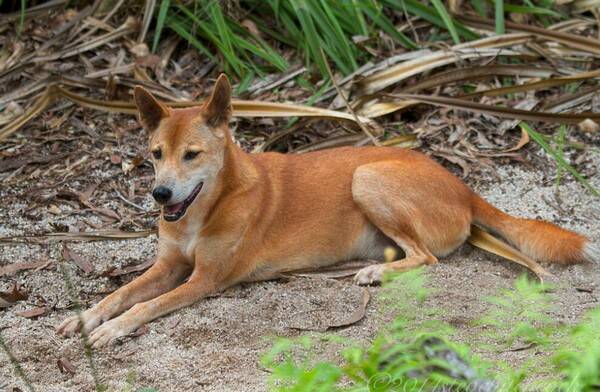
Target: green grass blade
329 37
443 13
222 39
500 17
384 24
558 157
480 7
207 30
560 145
22 17
521 9
310 33
356 6
337 34
419 9
268 55
178 27
160 22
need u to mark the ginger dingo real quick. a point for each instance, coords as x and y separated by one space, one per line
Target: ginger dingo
228 216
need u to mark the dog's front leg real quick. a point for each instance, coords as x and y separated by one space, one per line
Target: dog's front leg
165 274
198 286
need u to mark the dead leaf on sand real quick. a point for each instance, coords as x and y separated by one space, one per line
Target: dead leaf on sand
357 315
65 366
82 263
16 267
33 312
129 269
10 298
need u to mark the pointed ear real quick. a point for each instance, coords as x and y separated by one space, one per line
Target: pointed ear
150 110
217 109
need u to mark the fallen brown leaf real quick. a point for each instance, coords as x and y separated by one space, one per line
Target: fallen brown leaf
357 315
9 298
129 269
33 312
80 262
522 142
16 267
65 366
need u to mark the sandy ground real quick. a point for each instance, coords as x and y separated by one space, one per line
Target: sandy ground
216 344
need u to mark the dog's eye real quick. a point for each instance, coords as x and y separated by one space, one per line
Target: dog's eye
189 155
157 154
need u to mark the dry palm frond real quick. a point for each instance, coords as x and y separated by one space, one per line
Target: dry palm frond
471 74
104 235
482 48
503 112
569 40
537 85
241 108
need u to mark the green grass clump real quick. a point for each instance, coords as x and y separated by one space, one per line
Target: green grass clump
520 315
409 354
578 359
417 353
205 26
341 28
558 155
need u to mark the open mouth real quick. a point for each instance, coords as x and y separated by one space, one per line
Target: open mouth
173 212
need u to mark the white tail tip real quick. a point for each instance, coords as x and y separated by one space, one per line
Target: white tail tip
591 252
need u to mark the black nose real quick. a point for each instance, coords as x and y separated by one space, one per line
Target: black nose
162 194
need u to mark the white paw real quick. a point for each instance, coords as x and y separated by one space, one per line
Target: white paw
370 275
108 332
90 319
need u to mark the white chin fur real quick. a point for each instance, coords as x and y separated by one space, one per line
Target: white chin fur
591 252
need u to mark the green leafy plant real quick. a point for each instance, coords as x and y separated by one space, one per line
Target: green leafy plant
558 156
415 353
205 23
578 359
340 28
520 315
409 354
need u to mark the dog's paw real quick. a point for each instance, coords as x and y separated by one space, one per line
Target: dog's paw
372 274
110 331
88 321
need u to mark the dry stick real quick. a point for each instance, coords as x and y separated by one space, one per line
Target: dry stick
16 364
87 348
148 12
341 93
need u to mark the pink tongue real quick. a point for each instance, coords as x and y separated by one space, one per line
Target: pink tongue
173 209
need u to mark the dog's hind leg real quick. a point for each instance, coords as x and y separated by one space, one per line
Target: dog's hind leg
423 218
416 256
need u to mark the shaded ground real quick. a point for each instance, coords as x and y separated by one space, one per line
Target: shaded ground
216 344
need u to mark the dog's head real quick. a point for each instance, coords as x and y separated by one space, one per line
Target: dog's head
187 146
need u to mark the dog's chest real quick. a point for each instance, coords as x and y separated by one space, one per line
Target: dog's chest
184 244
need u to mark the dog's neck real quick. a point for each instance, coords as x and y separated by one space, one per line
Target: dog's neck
239 173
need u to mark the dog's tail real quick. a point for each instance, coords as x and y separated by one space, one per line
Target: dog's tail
542 241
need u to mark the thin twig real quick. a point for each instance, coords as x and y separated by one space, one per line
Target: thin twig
362 126
16 364
87 348
139 207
